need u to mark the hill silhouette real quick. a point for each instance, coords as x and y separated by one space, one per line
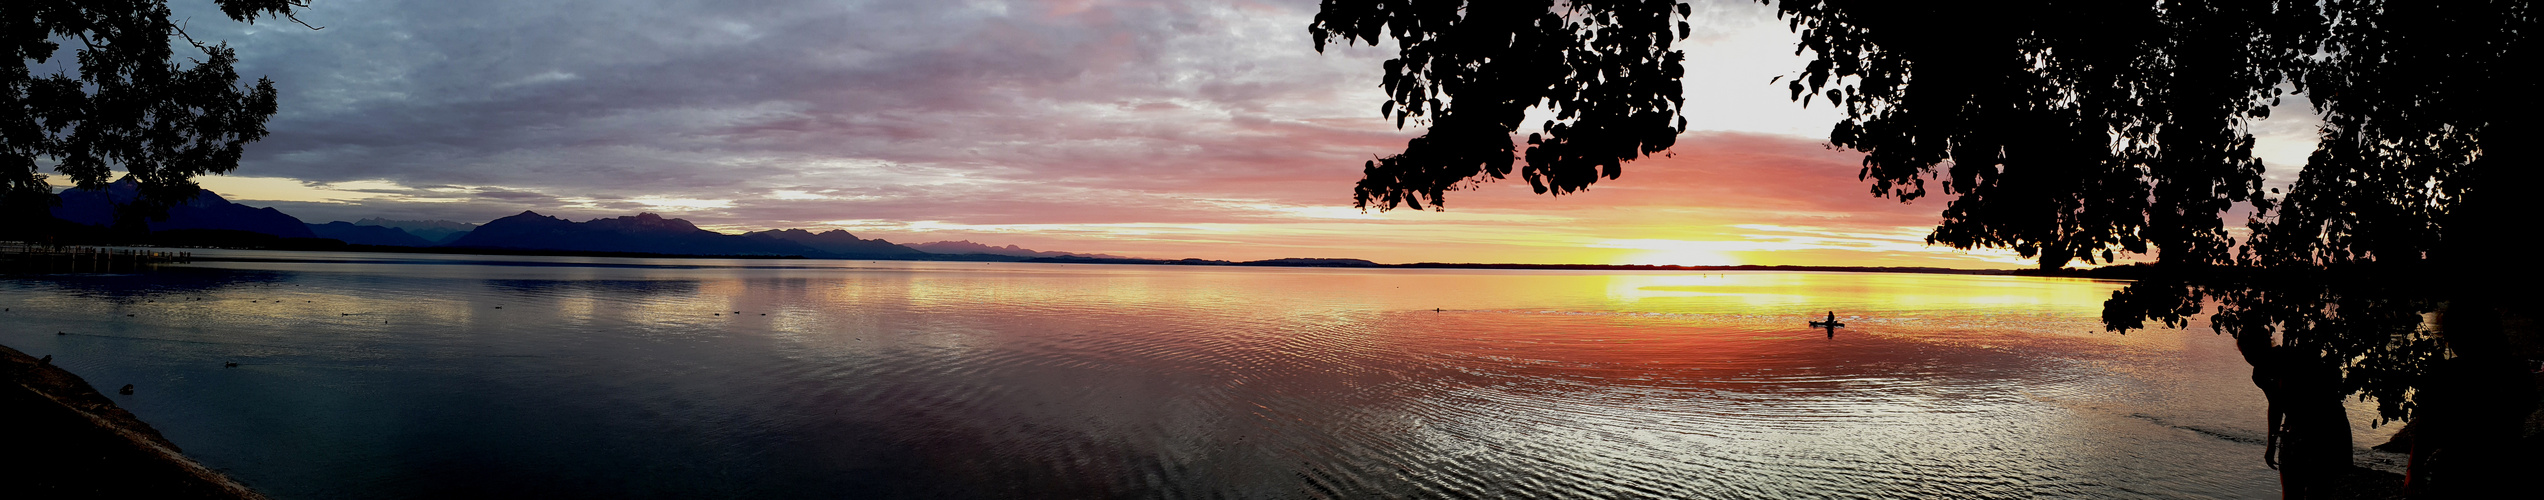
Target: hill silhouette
968 247
838 243
643 233
89 216
367 234
436 231
207 210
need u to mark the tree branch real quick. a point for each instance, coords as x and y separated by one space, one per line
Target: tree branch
288 15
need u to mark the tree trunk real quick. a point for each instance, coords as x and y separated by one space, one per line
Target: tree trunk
2309 430
2472 410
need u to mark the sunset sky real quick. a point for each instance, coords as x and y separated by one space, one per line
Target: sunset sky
1163 128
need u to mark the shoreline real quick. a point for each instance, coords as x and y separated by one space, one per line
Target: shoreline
72 442
2108 272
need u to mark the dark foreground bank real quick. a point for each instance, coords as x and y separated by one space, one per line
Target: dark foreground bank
68 441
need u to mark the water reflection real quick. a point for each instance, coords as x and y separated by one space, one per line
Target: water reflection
177 283
1003 380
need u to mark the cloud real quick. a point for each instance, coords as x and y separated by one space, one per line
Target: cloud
510 195
719 100
1137 128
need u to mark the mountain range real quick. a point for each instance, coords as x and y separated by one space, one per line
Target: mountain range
837 242
968 247
527 231
207 210
649 233
367 235
436 231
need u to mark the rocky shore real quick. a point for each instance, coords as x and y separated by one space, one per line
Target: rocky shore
67 441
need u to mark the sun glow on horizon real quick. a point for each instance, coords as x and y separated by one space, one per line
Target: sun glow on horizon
1671 253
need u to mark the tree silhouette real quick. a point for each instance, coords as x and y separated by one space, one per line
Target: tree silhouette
1469 72
130 104
2068 129
2077 129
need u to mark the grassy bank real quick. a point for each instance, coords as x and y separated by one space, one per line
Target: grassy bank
68 441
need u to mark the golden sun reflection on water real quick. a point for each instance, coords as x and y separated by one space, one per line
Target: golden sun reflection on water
1857 292
1000 380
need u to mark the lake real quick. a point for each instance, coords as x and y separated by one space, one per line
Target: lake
413 376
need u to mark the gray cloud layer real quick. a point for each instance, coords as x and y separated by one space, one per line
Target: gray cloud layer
804 111
967 113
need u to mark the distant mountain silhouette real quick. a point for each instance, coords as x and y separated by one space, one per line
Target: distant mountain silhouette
838 243
644 233
207 210
368 234
436 231
1312 262
967 246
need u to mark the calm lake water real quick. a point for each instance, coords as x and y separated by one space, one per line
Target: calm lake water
395 376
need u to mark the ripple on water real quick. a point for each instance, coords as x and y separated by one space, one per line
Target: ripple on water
1112 381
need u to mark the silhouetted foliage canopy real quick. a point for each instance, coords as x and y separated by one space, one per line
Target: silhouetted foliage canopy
2075 129
127 100
1469 73
2401 210
2067 129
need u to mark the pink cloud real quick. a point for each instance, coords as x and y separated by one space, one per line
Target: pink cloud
1162 128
